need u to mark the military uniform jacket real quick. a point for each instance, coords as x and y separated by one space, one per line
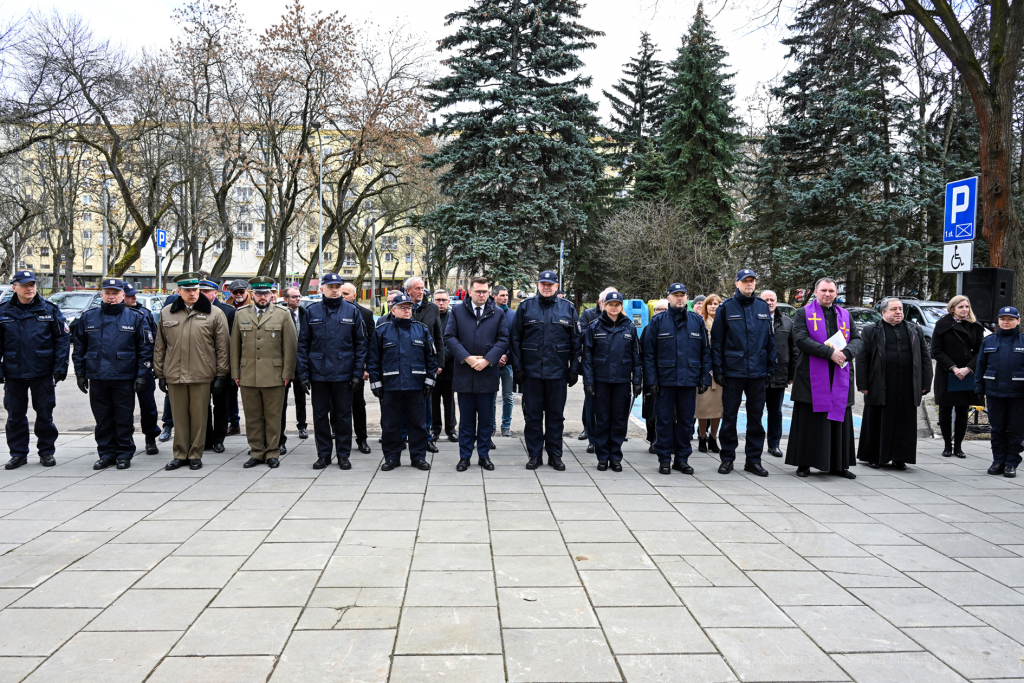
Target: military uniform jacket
116 344
1000 368
676 352
264 353
402 356
191 346
742 341
34 340
611 352
545 339
332 343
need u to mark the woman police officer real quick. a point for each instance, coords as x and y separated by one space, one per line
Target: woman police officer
1000 377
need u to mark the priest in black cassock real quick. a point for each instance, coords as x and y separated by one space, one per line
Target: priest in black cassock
894 371
821 435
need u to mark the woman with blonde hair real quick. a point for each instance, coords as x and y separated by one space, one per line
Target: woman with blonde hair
955 344
709 404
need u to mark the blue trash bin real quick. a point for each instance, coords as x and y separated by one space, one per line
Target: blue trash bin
638 312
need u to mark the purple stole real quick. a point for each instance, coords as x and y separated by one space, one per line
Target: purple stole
825 398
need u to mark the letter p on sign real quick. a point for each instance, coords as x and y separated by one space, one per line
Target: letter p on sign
961 204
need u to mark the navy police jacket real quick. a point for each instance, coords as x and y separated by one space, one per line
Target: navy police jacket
742 342
1000 367
332 343
676 352
545 339
611 352
34 340
112 342
402 356
466 336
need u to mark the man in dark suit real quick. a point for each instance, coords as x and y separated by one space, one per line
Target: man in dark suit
217 419
348 292
292 299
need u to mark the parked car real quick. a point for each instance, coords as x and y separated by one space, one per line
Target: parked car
862 316
924 313
73 303
786 309
154 302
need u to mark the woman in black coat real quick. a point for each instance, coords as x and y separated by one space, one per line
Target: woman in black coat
955 344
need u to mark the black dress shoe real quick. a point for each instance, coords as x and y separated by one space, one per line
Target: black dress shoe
102 464
616 466
233 429
175 464
996 468
702 445
682 467
431 448
591 449
583 435
847 474
151 447
492 446
664 469
273 463
602 465
725 467
282 449
453 437
387 466
421 465
218 448
713 445
533 463
777 452
959 453
124 464
899 465
15 462
165 434
363 446
650 449
555 463
486 464
1010 472
195 464
321 463
303 434
463 465
803 471
251 462
755 468
947 452
344 464
47 460
874 466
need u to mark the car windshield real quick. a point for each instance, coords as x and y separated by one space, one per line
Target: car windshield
933 313
72 301
865 316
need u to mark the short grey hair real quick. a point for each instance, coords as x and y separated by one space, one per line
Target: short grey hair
888 300
605 292
770 291
409 282
824 279
440 291
284 293
348 284
661 302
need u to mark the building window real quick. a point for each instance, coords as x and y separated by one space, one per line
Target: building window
347 272
44 266
87 217
87 234
313 239
409 240
408 272
388 258
86 199
28 251
408 258
87 266
259 245
86 253
243 245
178 244
327 256
44 251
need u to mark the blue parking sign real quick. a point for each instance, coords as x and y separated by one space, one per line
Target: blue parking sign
161 238
961 209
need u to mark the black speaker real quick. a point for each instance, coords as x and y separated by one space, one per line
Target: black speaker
989 289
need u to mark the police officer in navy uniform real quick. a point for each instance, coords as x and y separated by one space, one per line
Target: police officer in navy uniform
34 346
743 362
147 395
332 359
677 363
612 378
1000 376
402 365
113 354
545 347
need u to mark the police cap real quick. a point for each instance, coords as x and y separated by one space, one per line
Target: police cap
207 285
745 273
613 296
401 299
23 277
113 283
676 287
331 279
129 290
1009 310
548 276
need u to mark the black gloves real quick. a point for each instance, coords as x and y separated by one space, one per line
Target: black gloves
588 389
653 390
140 384
220 383
517 380
60 376
163 384
701 388
427 389
636 390
83 384
573 378
356 385
376 391
719 378
768 381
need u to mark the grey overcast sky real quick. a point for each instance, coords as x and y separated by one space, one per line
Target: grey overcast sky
755 56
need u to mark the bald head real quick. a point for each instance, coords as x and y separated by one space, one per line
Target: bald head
348 291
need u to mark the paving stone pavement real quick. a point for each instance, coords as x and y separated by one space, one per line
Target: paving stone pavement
227 574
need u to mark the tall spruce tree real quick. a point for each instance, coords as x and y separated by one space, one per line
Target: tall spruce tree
842 174
700 136
517 164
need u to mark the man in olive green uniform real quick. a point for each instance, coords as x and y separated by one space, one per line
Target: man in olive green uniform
191 359
264 347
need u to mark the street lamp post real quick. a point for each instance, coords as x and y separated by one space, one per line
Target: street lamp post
320 178
104 199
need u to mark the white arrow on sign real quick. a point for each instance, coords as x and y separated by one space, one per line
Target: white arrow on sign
958 257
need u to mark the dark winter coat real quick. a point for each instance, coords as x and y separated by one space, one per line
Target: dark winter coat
112 342
611 352
449 364
430 315
1000 370
34 340
402 356
676 352
870 365
545 339
332 343
228 311
466 336
955 345
742 344
807 347
785 351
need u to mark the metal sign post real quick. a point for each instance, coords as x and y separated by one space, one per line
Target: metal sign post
959 228
161 242
561 262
